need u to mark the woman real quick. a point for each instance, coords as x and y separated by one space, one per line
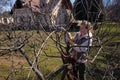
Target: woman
81 43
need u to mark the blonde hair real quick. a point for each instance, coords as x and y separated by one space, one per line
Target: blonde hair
87 25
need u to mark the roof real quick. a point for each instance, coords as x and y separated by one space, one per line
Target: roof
67 4
36 4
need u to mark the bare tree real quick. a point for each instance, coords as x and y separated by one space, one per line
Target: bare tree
113 10
40 47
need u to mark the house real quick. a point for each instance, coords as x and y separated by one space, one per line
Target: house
23 16
6 21
42 12
5 18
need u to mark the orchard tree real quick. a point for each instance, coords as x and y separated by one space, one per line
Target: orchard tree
45 54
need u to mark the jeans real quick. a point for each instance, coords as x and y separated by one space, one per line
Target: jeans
78 68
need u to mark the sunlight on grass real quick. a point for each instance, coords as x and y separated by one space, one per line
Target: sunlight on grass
49 59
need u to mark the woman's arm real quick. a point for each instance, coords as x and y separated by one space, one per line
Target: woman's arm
83 47
68 38
86 41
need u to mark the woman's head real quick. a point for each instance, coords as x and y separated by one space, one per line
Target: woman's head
85 26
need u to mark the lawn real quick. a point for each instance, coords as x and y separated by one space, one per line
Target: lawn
106 62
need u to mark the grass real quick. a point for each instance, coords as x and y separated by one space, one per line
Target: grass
47 64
